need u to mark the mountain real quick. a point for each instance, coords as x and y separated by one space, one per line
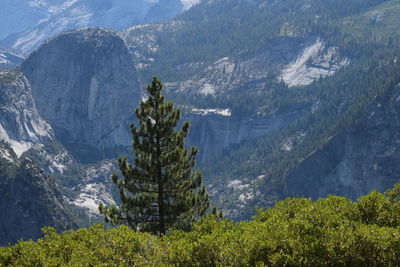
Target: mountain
322 62
85 85
360 158
30 200
285 98
28 23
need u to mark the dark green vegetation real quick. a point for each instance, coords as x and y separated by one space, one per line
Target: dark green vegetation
342 98
161 190
366 32
333 231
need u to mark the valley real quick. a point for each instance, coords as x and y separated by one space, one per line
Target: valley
285 98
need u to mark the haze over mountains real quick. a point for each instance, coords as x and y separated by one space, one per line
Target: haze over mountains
285 98
28 23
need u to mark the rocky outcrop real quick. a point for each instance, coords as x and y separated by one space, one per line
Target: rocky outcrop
295 61
30 200
96 187
20 123
85 85
316 61
358 159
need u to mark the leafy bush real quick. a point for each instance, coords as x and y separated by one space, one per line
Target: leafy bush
333 231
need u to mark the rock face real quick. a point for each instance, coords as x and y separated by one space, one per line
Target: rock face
20 123
213 132
85 85
357 160
316 61
295 61
29 199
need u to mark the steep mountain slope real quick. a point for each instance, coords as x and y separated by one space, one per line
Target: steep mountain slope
28 23
358 159
259 67
83 186
85 85
322 153
20 123
242 29
30 200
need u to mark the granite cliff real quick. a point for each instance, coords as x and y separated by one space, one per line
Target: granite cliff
84 84
20 123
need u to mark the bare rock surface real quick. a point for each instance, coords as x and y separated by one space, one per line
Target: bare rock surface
85 85
20 124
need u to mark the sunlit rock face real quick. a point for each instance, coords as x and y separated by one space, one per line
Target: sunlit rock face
85 85
314 62
20 124
294 61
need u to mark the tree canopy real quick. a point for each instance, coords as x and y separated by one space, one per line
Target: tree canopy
161 189
332 231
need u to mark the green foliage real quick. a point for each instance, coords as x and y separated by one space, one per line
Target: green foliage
364 31
161 190
333 231
342 100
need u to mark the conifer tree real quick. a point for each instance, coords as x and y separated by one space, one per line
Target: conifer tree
161 190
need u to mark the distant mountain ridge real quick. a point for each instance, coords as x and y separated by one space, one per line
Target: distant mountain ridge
26 24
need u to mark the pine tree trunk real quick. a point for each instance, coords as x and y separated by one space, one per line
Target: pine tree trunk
161 211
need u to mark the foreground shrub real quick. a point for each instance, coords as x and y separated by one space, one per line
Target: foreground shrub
333 231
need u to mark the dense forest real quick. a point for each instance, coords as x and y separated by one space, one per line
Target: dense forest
333 231
372 49
216 29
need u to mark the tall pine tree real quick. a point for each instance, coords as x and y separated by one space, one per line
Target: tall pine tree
161 190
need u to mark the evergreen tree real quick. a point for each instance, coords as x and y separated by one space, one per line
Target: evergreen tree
161 190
